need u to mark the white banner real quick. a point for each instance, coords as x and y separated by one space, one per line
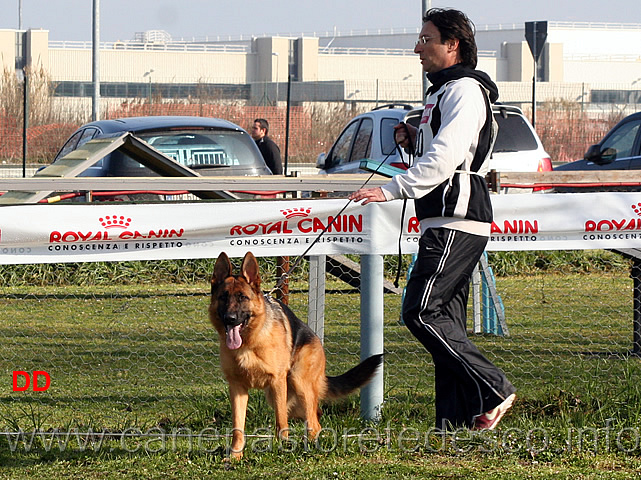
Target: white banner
112 231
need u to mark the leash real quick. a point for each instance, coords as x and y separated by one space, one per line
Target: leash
412 155
285 275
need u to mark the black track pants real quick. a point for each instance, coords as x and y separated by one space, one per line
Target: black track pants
435 311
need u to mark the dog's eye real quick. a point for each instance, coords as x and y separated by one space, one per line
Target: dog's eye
243 298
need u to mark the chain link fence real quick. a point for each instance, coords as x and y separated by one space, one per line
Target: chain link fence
570 116
128 345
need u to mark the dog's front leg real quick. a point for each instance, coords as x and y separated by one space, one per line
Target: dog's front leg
279 392
239 397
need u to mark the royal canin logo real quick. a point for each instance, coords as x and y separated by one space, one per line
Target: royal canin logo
616 225
113 227
298 220
515 227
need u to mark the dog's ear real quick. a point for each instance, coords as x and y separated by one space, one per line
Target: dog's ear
222 269
249 270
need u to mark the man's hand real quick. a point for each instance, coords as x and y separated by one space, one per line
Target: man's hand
368 195
404 134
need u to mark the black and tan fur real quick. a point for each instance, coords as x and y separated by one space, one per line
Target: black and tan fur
276 352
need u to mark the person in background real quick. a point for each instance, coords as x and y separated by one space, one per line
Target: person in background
452 148
267 147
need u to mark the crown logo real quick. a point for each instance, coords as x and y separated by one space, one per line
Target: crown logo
637 208
114 221
296 212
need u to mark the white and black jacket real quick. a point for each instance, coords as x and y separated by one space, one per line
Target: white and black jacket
447 180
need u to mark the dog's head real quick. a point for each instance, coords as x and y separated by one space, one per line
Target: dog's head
236 300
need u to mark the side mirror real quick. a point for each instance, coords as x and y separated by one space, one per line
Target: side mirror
596 155
320 160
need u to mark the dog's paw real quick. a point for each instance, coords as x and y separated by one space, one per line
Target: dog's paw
235 456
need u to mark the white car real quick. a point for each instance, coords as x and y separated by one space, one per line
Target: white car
370 136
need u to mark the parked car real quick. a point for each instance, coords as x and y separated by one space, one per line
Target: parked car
211 146
620 149
371 136
368 135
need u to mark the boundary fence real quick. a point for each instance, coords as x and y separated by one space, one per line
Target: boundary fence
123 353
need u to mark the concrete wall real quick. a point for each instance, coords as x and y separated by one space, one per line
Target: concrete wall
272 57
367 67
598 39
37 42
168 67
572 55
8 50
308 59
604 70
556 66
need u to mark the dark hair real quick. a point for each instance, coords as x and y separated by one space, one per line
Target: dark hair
454 24
264 124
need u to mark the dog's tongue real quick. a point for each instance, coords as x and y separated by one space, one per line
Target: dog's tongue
234 340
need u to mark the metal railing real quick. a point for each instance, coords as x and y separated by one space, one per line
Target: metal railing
154 46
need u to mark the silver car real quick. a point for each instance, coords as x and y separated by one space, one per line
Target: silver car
370 136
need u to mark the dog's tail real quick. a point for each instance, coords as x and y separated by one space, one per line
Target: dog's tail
357 377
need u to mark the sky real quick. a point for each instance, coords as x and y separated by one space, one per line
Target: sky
197 19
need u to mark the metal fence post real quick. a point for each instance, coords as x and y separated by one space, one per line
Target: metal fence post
316 295
372 331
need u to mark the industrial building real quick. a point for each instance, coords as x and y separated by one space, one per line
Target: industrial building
595 64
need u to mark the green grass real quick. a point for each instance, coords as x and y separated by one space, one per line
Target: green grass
144 358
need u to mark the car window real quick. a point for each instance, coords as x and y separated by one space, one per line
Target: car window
622 139
340 152
205 148
363 142
77 140
87 135
70 145
388 144
514 134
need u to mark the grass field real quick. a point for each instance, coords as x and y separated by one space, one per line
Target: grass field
142 359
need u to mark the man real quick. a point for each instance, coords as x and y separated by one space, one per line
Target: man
452 202
267 147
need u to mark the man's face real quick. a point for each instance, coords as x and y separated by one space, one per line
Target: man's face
434 54
256 132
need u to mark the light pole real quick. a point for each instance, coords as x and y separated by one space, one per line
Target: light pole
352 98
148 74
275 54
95 61
635 97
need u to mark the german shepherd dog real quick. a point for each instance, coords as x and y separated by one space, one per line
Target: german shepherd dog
264 345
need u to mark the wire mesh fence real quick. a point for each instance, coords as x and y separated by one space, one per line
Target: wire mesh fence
570 116
128 345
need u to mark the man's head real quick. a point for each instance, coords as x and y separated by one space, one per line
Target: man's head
259 128
447 38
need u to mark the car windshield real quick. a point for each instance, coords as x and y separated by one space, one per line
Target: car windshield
514 134
206 148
